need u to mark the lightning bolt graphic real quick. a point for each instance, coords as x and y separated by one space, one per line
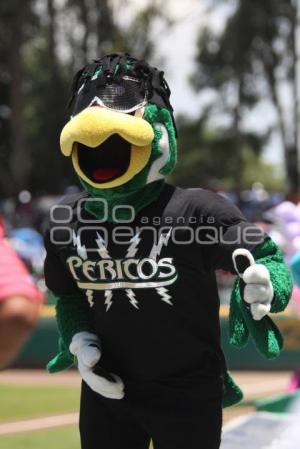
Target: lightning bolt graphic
90 297
108 299
163 241
81 249
102 248
131 295
164 293
133 248
103 252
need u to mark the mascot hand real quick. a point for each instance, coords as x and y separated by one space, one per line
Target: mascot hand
258 292
86 347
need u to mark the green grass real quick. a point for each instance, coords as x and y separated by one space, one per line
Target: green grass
30 401
64 438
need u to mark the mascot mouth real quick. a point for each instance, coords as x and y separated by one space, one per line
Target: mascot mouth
107 162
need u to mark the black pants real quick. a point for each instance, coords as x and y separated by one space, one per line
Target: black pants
172 417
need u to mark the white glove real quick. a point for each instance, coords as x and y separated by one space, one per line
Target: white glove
86 347
258 290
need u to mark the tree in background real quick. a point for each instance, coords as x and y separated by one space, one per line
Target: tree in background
208 157
14 16
253 62
42 44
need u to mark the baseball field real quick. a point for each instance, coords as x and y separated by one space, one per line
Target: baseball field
41 411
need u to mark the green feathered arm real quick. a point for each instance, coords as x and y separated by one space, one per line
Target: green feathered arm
264 333
232 392
72 316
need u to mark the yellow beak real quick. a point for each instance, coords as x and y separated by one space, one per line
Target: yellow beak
94 125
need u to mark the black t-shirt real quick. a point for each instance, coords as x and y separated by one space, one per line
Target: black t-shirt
150 283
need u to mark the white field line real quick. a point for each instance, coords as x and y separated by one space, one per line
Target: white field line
254 387
29 425
241 420
236 422
41 377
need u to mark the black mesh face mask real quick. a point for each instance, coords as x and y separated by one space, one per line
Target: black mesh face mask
125 96
121 83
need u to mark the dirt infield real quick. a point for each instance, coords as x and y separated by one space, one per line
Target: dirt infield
41 377
254 384
257 384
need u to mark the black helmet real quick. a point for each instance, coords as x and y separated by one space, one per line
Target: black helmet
119 82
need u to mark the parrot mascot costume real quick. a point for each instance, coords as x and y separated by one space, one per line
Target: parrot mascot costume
132 260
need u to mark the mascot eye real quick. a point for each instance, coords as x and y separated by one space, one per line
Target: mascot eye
126 96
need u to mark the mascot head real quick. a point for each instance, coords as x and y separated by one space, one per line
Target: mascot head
122 136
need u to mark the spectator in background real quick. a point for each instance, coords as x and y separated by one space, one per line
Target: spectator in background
19 302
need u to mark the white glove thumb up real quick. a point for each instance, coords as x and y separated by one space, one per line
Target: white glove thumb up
258 292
